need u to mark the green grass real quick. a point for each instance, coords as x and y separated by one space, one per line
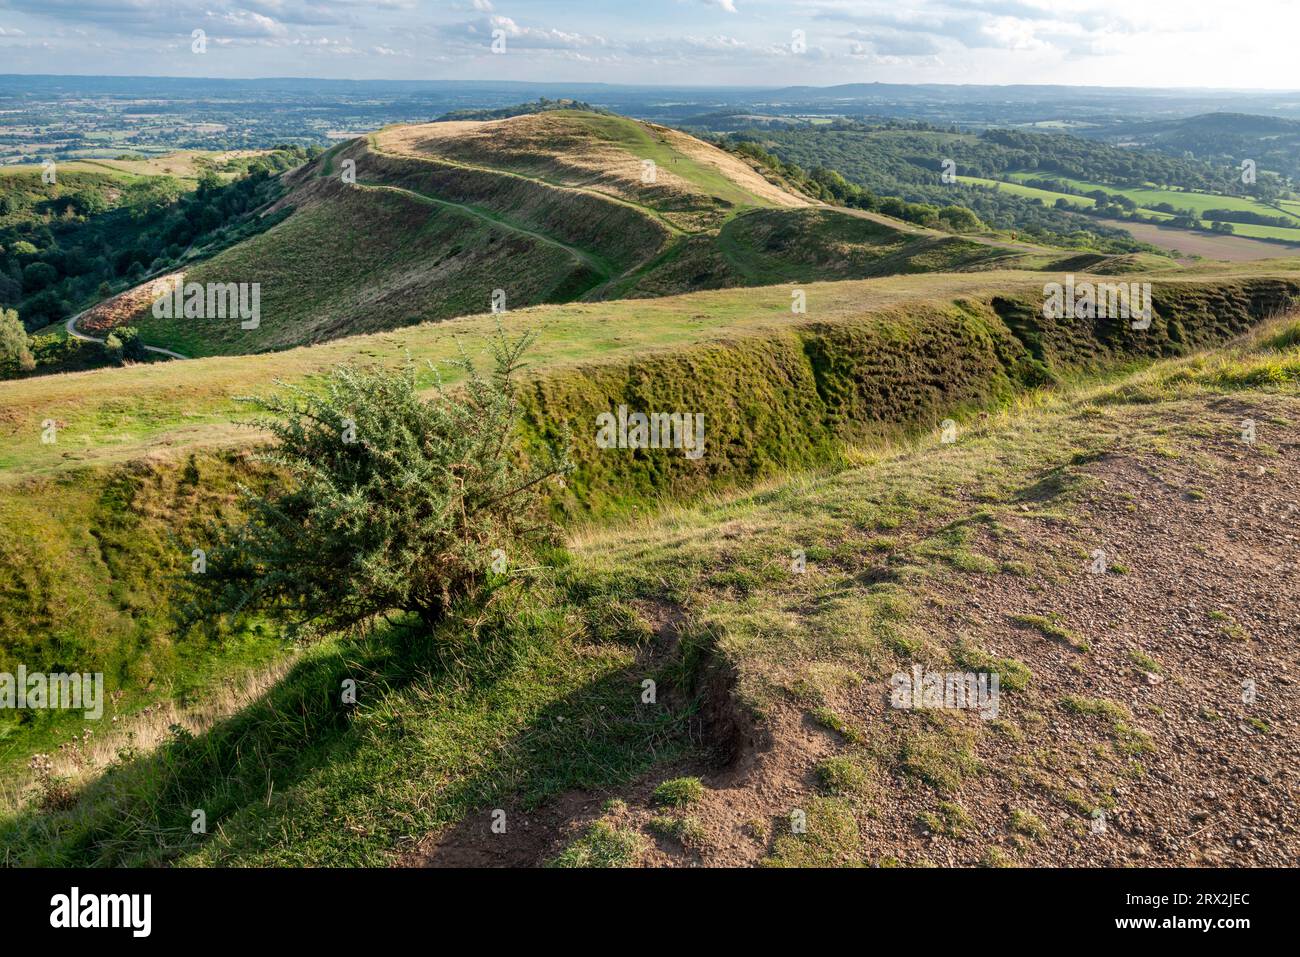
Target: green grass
829 839
949 819
602 845
519 711
1151 196
1129 739
642 142
1147 198
543 698
1012 188
843 776
679 792
686 831
942 757
1028 824
365 261
1012 675
1049 627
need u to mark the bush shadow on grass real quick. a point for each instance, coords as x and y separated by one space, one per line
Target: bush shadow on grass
441 727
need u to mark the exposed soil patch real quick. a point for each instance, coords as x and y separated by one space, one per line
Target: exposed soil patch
1227 248
1190 634
1160 724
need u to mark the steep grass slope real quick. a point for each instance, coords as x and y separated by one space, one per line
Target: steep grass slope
434 219
96 522
124 414
774 681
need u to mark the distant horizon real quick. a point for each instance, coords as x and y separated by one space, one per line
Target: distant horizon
650 86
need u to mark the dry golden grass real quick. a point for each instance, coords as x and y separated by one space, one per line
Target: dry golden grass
142 732
123 307
602 154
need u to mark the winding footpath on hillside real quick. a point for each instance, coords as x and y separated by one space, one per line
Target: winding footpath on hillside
71 326
373 143
600 268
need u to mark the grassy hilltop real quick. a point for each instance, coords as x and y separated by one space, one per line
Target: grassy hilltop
549 208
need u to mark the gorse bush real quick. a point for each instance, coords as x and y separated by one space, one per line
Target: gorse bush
391 503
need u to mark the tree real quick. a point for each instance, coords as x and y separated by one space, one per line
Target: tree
959 219
15 353
113 348
37 276
124 344
145 197
390 502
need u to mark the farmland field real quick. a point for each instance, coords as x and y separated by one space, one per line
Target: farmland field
1179 199
1187 242
1030 192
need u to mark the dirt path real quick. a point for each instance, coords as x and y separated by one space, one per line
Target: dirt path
71 326
1169 736
600 268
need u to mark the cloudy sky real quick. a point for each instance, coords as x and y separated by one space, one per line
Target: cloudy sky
696 42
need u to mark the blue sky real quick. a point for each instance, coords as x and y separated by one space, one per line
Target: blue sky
689 42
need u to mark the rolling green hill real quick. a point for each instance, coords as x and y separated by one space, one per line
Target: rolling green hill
547 208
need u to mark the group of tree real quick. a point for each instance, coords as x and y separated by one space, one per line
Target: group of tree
24 354
90 234
540 105
904 161
831 186
891 176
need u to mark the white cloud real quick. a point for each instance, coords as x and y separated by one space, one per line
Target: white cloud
1151 42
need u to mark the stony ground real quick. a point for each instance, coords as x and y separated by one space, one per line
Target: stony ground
1148 586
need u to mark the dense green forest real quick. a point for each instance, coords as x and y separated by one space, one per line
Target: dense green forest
1222 139
861 163
90 234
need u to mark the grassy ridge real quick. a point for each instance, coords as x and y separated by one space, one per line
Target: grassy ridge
123 414
620 235
790 398
773 399
548 208
363 260
85 567
543 697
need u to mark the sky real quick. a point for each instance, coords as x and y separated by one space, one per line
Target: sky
1166 43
